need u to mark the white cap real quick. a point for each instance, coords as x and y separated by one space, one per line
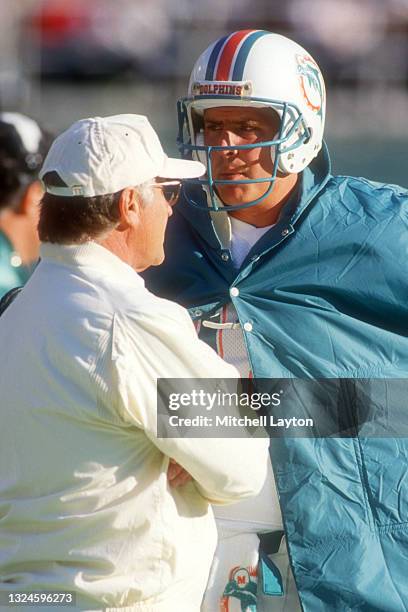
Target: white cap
102 155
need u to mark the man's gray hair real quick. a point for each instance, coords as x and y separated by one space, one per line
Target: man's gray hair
145 191
77 219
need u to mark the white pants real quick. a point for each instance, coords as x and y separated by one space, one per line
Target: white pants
233 581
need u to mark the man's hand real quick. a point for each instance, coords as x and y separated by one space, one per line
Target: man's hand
176 475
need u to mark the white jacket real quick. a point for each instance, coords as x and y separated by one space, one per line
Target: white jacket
85 505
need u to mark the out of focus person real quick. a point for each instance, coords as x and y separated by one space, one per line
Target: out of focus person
23 146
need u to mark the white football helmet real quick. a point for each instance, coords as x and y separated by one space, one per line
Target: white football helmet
260 69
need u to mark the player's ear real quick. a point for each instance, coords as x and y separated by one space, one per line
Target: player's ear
129 208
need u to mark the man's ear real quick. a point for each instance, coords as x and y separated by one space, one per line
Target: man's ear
31 199
129 208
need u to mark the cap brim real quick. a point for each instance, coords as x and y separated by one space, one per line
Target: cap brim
182 168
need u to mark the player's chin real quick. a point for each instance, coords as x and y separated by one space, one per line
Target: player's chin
231 195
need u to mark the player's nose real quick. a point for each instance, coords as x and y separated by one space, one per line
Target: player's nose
228 139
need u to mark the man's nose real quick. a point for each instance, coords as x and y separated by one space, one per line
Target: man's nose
228 139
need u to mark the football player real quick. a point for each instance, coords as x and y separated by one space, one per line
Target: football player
291 272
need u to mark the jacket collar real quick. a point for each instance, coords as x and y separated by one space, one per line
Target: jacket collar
89 255
313 180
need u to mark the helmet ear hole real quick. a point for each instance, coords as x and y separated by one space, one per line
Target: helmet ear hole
309 135
284 165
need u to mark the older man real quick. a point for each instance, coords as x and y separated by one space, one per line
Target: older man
85 504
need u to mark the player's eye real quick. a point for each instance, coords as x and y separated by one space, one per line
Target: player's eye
249 127
213 127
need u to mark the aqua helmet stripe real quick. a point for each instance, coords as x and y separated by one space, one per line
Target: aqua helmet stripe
243 53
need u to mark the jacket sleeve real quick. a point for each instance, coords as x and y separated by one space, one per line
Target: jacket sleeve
163 343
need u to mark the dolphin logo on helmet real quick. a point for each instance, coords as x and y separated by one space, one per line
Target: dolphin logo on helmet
311 83
254 68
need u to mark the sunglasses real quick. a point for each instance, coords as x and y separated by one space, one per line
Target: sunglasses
171 190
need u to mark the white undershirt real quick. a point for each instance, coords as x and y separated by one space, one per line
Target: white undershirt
243 237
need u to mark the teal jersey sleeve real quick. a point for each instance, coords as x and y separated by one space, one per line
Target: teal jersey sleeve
12 274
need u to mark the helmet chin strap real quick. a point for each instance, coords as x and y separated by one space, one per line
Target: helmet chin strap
218 201
221 223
